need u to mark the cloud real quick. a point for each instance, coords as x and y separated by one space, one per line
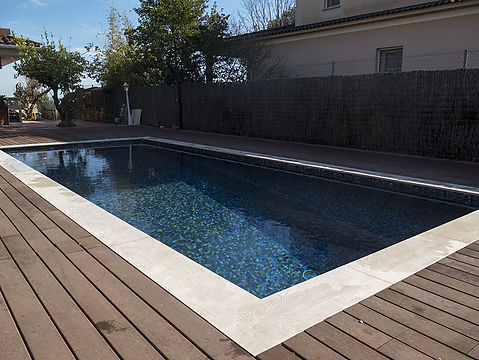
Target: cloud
34 3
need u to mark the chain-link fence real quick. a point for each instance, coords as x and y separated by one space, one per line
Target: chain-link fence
467 59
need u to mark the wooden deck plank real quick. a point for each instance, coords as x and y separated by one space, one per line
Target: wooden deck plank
343 343
67 225
471 260
454 323
455 274
78 331
429 346
6 227
473 246
449 282
470 269
359 330
165 337
21 223
444 291
469 252
42 221
399 351
26 191
90 242
122 336
277 353
376 320
474 353
119 332
310 349
438 302
420 324
40 334
3 252
61 240
216 344
12 346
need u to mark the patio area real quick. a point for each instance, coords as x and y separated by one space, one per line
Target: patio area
64 294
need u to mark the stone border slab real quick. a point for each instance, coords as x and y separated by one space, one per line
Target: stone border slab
259 324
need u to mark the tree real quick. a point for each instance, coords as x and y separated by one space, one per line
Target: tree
287 18
117 60
55 67
257 15
179 40
212 43
46 107
30 94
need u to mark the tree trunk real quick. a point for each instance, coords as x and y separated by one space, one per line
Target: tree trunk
29 112
67 121
34 101
209 64
66 118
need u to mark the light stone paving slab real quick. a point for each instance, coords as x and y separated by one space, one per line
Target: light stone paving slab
400 260
256 324
464 229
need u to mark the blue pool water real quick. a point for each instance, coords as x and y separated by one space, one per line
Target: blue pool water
262 229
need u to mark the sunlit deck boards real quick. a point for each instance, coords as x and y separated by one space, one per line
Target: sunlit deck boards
63 294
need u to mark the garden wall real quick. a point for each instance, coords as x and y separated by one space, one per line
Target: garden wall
432 114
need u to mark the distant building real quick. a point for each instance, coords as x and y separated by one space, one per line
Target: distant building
349 37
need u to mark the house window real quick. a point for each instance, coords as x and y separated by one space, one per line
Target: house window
331 3
390 60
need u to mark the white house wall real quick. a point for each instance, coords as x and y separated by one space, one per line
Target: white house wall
311 11
354 49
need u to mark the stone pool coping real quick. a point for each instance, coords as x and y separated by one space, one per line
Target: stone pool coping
259 324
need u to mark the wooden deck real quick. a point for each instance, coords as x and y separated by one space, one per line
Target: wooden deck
64 295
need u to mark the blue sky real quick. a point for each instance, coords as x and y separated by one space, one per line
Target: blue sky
75 22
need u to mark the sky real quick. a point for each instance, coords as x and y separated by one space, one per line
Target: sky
76 23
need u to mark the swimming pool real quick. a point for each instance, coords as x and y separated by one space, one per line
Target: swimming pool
263 230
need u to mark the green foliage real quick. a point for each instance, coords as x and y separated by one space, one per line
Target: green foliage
166 36
3 101
179 38
53 66
176 40
214 49
117 60
46 107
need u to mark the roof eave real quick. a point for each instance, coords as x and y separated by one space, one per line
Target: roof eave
348 21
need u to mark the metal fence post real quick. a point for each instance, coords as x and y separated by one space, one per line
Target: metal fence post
332 68
464 66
